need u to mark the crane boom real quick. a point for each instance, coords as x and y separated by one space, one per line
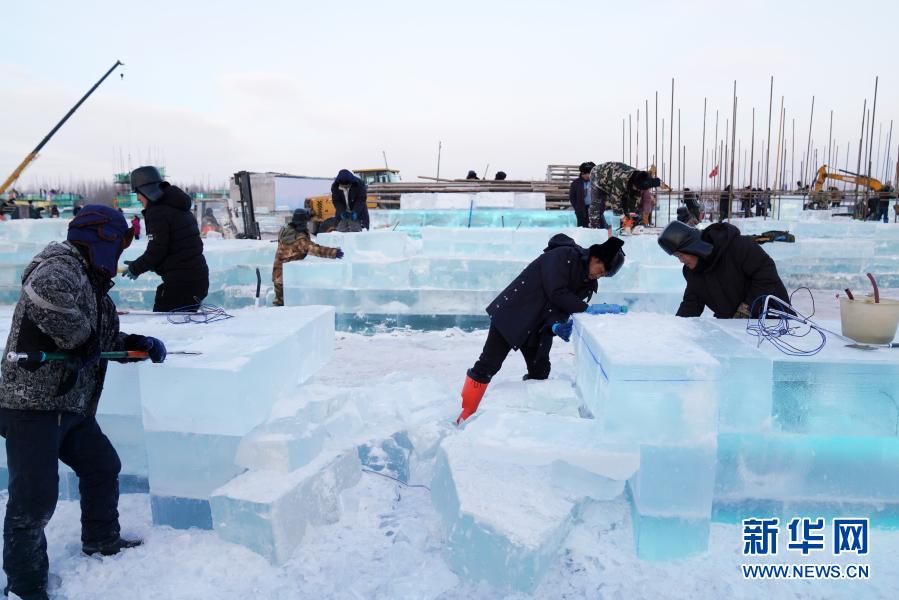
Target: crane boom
33 154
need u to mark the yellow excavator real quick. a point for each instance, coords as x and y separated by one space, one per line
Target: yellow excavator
821 199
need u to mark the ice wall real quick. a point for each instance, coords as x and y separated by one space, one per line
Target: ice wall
729 430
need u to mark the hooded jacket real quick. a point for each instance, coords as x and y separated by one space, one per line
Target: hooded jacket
357 197
174 248
611 180
549 290
737 271
63 306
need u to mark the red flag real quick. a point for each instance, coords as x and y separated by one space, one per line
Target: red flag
714 172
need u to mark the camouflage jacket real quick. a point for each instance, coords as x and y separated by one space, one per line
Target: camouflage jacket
611 180
295 245
63 306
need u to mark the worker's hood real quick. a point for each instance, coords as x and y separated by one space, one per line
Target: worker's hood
345 177
720 236
175 197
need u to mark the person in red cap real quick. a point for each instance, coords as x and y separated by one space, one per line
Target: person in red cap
556 285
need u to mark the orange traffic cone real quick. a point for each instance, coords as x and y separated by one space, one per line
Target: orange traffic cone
472 393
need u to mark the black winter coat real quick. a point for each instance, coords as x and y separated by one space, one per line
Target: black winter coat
576 197
358 204
174 248
549 290
738 271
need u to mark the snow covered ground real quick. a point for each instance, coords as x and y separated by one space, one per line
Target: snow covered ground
389 540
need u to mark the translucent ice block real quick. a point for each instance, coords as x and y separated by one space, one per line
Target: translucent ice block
268 511
505 538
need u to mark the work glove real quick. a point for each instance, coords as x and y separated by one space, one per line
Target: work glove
339 253
154 347
354 216
129 273
346 216
563 330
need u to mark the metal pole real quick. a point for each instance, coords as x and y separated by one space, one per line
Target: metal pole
670 149
637 150
680 163
886 161
647 133
702 173
829 137
655 157
733 138
793 153
861 137
777 173
808 151
768 143
630 141
439 148
752 150
715 156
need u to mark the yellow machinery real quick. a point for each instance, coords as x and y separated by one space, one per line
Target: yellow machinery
322 209
822 200
823 174
33 154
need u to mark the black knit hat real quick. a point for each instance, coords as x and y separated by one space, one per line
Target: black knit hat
610 253
300 217
642 180
586 167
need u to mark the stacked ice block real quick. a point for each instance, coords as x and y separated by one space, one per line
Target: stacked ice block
200 408
729 429
476 200
510 485
648 380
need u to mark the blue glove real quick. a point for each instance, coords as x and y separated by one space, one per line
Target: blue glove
563 330
129 273
606 309
354 216
154 347
339 253
345 215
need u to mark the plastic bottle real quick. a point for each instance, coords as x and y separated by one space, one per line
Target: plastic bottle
607 309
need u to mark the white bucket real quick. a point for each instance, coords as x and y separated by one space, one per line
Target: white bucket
868 322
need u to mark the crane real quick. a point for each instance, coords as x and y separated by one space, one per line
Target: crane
33 154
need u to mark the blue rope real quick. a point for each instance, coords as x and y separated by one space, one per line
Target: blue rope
788 323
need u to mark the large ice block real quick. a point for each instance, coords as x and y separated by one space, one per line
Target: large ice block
474 201
510 484
196 410
268 511
641 392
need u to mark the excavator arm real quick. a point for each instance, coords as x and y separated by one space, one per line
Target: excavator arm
823 175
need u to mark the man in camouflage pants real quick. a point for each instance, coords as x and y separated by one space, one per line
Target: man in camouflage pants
294 243
622 189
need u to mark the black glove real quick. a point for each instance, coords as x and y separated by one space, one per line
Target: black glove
154 347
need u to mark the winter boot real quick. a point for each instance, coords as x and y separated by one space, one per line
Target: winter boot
472 393
110 548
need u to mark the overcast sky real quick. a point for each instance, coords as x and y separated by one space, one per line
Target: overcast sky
211 88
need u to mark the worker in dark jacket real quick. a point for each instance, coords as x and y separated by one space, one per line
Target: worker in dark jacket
348 193
47 409
174 248
556 285
724 270
579 194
